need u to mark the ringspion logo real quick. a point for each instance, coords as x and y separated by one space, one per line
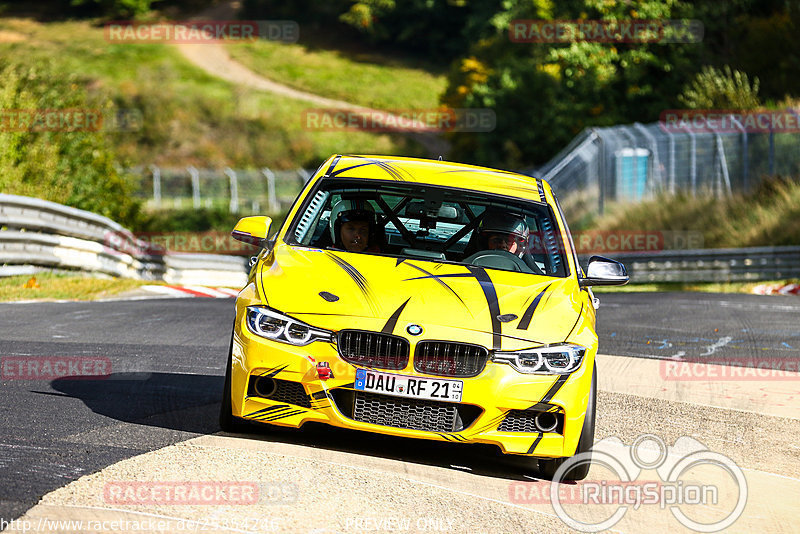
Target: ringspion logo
690 477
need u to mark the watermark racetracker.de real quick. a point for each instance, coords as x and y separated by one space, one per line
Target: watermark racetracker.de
606 31
201 31
434 120
730 121
731 368
64 367
70 120
199 492
682 479
161 243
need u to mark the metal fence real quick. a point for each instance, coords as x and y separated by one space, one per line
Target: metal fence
635 162
38 235
237 190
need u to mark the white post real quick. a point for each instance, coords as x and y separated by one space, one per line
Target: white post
195 174
234 208
156 185
272 200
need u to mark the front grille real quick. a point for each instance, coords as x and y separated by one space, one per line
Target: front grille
373 349
285 391
524 421
399 412
448 358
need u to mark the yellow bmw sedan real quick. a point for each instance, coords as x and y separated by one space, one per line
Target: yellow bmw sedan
423 299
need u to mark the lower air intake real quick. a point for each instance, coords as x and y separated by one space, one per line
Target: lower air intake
413 414
283 391
525 421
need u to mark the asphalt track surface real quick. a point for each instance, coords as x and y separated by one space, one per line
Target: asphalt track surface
167 358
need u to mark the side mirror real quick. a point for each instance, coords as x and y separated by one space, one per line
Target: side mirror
604 272
252 230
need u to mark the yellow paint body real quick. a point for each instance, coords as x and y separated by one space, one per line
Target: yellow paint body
289 278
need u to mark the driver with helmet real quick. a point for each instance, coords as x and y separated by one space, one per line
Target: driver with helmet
353 227
503 231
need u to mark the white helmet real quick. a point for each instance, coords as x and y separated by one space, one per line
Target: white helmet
350 210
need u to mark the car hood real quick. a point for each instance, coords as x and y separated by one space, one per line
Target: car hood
335 290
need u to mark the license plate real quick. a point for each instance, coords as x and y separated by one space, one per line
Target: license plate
409 386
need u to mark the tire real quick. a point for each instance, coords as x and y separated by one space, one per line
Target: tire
548 467
227 422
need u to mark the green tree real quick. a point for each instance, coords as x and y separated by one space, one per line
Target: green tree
118 8
546 93
76 168
714 88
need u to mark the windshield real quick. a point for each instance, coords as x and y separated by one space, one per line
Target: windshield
415 221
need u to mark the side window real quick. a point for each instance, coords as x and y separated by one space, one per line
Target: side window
303 233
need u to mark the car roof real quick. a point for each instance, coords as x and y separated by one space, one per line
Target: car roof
437 173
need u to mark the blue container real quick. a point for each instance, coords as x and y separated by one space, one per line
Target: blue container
631 173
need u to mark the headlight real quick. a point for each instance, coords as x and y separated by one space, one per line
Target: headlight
562 358
270 324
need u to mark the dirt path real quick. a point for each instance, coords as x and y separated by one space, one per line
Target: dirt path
215 60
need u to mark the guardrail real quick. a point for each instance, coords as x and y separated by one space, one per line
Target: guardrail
711 265
41 234
36 234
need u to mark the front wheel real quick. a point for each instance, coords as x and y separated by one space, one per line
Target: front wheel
227 421
548 467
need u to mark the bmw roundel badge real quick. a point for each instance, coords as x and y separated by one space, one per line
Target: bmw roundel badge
414 329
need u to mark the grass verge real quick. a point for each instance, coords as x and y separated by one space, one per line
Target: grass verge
64 287
188 116
363 79
767 216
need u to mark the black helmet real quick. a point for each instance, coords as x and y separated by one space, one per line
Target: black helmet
509 224
348 211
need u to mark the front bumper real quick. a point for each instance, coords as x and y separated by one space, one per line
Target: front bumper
499 392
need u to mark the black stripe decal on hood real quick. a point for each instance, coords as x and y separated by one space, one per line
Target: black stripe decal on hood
525 322
438 278
480 274
357 277
388 328
580 313
491 299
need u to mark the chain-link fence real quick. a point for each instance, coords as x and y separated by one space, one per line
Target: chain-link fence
237 190
600 166
634 162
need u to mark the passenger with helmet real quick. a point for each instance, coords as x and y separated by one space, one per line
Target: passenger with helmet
353 226
503 231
